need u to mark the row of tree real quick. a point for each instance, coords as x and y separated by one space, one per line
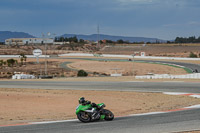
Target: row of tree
66 39
74 39
9 62
13 62
191 39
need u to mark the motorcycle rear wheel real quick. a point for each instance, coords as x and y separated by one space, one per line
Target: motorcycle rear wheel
83 117
109 116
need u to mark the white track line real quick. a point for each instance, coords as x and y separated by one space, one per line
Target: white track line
174 93
196 96
47 122
134 81
174 81
193 107
150 113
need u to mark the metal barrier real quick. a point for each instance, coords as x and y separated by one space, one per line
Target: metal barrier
168 76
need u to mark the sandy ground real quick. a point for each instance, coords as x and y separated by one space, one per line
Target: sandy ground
153 50
25 105
126 68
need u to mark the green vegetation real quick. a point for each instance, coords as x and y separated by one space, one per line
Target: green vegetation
192 55
192 39
9 63
82 73
120 41
70 39
74 39
22 58
2 63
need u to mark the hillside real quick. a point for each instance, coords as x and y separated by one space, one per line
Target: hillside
8 34
94 37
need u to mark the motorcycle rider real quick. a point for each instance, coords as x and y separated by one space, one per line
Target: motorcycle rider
86 102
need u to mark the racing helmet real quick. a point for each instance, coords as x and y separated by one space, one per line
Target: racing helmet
81 100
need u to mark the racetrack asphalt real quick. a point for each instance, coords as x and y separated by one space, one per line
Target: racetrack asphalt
170 122
154 123
118 86
191 66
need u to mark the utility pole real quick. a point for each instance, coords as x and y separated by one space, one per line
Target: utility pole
45 59
133 63
54 36
98 44
45 48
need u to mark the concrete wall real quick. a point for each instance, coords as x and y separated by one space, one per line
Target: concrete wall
129 56
167 76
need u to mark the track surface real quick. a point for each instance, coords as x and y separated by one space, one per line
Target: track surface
139 124
188 65
191 66
168 122
119 86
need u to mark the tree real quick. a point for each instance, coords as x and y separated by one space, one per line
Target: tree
198 39
148 42
56 39
11 62
23 58
66 39
168 42
81 41
191 39
192 55
120 41
73 39
109 41
82 73
1 63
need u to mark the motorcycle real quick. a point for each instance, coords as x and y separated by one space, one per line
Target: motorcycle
87 113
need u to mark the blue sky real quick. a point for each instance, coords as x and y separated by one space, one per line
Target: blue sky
163 19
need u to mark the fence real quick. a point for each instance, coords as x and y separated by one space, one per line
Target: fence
168 76
129 56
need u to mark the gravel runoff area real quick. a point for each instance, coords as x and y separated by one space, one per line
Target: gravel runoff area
34 105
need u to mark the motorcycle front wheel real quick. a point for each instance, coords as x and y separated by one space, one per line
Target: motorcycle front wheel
109 116
83 117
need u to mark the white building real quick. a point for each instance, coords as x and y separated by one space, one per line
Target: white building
23 76
27 41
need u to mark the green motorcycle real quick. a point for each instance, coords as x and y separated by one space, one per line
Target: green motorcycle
87 113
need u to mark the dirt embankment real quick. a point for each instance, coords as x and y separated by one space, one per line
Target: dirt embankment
178 50
25 105
154 50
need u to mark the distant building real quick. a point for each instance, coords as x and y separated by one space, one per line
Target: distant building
104 41
27 41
